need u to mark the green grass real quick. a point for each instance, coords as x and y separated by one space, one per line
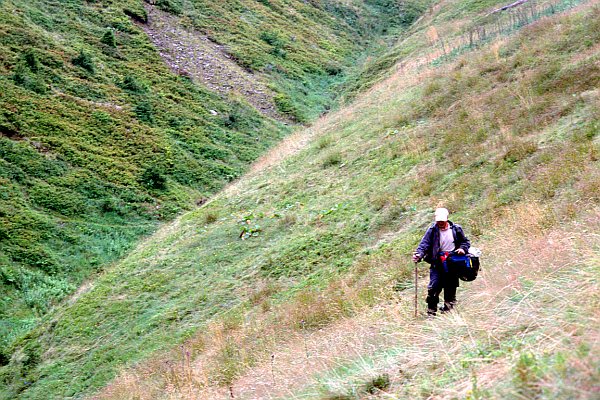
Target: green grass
100 142
379 170
304 47
456 42
81 138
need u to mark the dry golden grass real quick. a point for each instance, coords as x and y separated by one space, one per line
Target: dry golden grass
524 290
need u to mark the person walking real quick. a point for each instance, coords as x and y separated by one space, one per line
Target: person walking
442 238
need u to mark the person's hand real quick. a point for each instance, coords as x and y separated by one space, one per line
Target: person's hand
460 252
416 257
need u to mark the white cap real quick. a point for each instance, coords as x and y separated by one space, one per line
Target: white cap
441 214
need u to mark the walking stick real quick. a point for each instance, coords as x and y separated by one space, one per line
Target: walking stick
416 288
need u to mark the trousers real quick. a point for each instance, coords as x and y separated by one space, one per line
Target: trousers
441 280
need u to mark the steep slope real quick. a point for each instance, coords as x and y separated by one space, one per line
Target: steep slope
527 328
99 141
519 183
101 138
191 53
303 48
509 194
327 232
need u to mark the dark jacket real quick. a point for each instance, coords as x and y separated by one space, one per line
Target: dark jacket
430 244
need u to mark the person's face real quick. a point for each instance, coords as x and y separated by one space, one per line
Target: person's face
442 224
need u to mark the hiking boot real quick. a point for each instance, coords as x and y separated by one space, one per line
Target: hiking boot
447 307
431 313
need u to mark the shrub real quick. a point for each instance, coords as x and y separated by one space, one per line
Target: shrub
31 60
170 6
153 178
61 200
324 142
4 357
211 217
276 40
144 112
332 159
138 14
278 52
24 78
285 105
131 84
109 38
272 38
240 117
333 69
377 384
410 11
84 60
519 150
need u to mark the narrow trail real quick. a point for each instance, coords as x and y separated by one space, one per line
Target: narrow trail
191 53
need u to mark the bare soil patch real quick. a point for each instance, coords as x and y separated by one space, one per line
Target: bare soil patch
189 52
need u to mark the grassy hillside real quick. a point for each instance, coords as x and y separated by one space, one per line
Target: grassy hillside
100 140
327 233
447 30
305 47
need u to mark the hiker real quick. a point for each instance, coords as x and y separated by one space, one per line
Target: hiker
441 238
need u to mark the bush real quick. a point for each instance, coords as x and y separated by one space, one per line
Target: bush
24 78
278 52
286 106
109 38
272 38
60 200
241 117
131 84
153 178
519 150
138 14
211 217
410 11
84 60
332 159
31 60
144 112
333 69
377 384
170 6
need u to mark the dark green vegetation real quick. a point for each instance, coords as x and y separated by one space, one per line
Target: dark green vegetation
100 141
523 129
305 47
